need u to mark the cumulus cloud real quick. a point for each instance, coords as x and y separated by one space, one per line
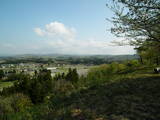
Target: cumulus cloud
56 29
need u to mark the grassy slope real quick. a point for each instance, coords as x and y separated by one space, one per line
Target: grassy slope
5 84
133 97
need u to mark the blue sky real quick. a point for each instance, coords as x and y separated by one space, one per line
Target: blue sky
57 26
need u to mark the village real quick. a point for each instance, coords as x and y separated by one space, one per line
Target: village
31 68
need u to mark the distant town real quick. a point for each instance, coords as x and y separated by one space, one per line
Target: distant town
31 68
56 64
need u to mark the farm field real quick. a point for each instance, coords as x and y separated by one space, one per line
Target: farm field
5 84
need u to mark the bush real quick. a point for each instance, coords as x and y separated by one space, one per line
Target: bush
103 73
13 104
20 102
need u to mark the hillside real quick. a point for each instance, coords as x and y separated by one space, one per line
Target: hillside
134 99
67 59
131 94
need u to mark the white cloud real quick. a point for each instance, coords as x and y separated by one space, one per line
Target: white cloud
56 29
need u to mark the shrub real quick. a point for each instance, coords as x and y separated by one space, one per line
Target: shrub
13 104
20 102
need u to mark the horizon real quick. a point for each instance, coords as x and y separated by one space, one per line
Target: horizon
58 27
56 54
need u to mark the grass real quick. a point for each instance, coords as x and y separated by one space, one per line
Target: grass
5 84
129 96
134 99
134 96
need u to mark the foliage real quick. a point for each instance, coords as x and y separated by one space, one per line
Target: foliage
37 87
127 99
139 22
2 74
13 104
137 19
107 72
72 75
116 91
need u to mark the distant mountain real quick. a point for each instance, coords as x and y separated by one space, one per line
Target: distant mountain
68 55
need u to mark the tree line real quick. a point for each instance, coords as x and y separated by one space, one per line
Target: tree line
38 86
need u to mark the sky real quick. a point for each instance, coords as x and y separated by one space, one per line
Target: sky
57 26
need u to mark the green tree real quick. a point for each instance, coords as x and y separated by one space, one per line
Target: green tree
1 74
36 87
41 86
139 22
138 19
72 75
75 76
